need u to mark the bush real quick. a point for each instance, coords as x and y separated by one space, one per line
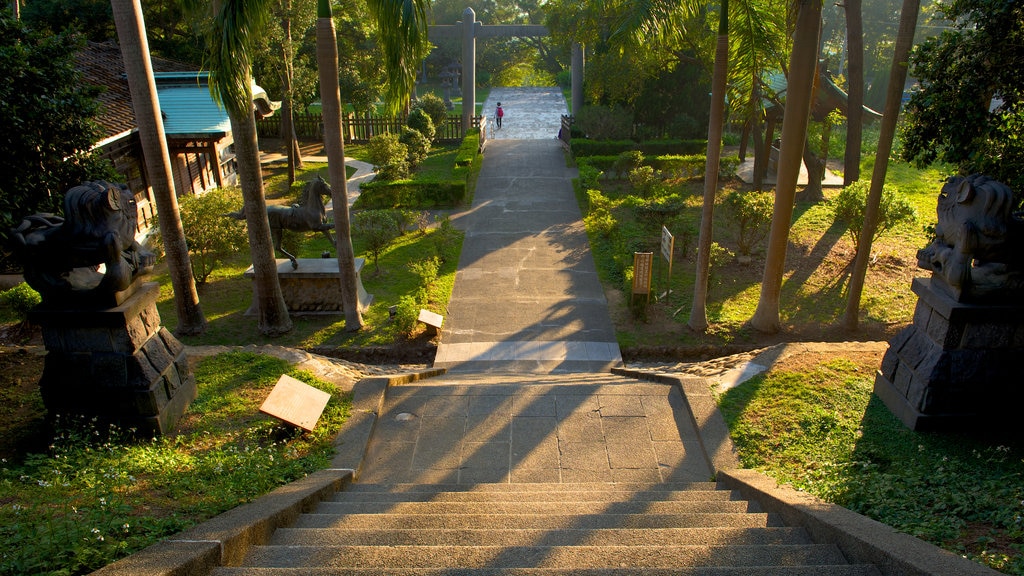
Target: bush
411 194
407 312
628 161
426 269
446 239
421 122
433 106
655 213
211 237
600 123
689 166
851 203
751 212
589 175
645 181
378 228
21 299
417 145
389 157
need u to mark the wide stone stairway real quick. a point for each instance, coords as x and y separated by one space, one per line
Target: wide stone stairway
526 474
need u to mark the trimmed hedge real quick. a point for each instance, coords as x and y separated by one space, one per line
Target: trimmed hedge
689 166
585 147
422 194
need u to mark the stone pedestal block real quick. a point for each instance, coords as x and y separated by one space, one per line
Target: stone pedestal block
315 286
116 364
957 365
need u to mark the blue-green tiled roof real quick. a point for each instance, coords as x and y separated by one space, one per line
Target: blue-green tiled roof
188 107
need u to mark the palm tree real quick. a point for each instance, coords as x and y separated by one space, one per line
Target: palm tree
698 311
402 33
855 90
236 26
802 69
131 33
334 146
894 97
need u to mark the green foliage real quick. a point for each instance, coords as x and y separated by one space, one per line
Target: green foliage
411 193
751 213
417 145
21 299
389 157
212 238
99 494
599 218
603 123
582 147
645 182
420 121
377 228
969 110
426 269
627 162
433 106
849 206
657 212
47 118
719 256
821 430
406 314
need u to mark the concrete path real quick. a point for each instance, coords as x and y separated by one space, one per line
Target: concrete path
469 429
530 113
364 172
526 296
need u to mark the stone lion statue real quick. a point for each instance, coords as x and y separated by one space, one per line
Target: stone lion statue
978 250
88 255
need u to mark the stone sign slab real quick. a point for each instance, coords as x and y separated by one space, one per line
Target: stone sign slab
295 402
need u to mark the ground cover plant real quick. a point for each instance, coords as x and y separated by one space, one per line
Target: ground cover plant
813 422
91 493
619 217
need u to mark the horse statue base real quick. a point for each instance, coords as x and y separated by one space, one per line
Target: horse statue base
313 287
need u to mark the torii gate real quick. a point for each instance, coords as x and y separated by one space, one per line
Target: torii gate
470 29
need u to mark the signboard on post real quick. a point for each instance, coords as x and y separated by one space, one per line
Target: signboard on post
642 265
668 245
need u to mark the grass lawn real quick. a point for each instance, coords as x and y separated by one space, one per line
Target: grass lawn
813 422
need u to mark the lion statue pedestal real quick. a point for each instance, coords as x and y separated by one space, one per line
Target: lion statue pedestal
959 364
107 355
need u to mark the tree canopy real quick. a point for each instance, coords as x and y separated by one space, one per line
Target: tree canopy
969 110
46 120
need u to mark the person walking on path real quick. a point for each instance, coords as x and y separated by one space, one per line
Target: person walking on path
499 114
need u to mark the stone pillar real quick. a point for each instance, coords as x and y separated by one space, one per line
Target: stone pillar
577 77
469 25
957 365
117 364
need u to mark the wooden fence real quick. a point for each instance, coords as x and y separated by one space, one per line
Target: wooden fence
357 130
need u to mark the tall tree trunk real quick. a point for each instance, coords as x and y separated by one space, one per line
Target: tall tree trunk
131 33
894 96
815 172
757 117
802 69
272 312
855 91
334 146
16 9
287 109
698 311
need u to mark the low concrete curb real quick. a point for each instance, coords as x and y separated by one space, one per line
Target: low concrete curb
225 539
861 539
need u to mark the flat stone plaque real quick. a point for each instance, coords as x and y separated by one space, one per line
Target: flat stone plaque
295 402
430 318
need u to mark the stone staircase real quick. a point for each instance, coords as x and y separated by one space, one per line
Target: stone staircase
551 529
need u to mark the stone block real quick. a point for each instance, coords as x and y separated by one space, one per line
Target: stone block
916 349
942 332
988 335
904 379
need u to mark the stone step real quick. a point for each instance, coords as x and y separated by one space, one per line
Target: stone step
519 380
547 496
523 508
527 537
818 570
578 487
576 557
620 387
533 521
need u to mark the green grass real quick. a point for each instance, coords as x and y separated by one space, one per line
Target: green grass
818 265
821 430
98 494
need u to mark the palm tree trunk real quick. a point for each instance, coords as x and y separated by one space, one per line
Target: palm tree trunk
334 146
698 311
894 97
272 312
855 91
131 33
802 68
